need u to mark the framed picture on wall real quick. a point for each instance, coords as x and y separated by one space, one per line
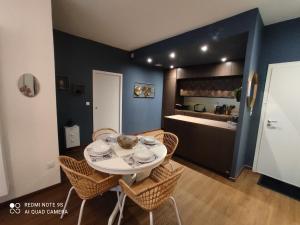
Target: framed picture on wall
62 83
143 90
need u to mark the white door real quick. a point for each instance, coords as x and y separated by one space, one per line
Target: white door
278 143
107 100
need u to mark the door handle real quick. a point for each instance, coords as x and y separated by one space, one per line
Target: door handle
270 123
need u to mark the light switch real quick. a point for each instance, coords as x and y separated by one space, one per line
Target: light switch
87 103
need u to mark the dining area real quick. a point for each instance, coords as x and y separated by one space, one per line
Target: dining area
138 168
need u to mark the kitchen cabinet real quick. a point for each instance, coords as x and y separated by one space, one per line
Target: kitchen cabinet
172 80
207 143
169 93
233 68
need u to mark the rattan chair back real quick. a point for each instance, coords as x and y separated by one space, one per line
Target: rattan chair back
103 131
170 140
87 182
151 197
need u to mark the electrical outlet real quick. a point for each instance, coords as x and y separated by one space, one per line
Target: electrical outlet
50 165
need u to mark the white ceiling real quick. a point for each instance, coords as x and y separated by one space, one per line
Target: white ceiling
130 24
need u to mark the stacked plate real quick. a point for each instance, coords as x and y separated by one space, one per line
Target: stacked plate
143 155
99 148
148 140
111 137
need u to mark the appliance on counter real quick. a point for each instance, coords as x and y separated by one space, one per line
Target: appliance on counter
220 109
182 107
199 108
235 118
224 109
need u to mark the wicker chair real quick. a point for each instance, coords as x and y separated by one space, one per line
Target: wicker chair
170 140
87 182
103 131
152 192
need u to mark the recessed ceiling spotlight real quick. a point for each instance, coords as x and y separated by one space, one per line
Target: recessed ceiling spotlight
172 55
149 60
171 67
204 48
224 59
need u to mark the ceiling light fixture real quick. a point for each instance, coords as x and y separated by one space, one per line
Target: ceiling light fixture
172 55
224 59
149 60
171 67
204 48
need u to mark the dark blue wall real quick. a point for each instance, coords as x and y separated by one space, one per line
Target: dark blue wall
76 58
251 65
281 43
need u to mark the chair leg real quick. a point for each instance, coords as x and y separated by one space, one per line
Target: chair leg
122 208
66 203
119 203
151 217
81 211
176 209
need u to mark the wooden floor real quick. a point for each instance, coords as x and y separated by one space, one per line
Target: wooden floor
203 197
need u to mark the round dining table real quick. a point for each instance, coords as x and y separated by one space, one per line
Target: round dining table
121 161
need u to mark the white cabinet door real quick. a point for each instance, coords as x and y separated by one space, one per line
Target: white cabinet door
107 100
278 146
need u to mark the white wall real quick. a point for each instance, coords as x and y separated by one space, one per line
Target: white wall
3 177
29 125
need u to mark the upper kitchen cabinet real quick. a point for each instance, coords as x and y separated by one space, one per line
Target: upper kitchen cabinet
233 68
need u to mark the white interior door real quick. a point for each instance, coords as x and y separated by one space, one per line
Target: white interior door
107 100
278 146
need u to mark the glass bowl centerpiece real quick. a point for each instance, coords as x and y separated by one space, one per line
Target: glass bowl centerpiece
127 141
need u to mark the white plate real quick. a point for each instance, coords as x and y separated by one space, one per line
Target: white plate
93 154
148 140
145 161
99 147
111 137
143 155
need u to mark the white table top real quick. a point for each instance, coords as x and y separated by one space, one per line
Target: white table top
117 165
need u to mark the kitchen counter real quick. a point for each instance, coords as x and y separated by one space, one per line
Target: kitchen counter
208 143
206 122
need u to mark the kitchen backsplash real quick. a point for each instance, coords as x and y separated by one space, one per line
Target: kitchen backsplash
210 103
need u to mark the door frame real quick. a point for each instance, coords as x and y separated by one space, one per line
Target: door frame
95 72
264 106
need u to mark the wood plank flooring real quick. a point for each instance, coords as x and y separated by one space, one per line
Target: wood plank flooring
203 197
